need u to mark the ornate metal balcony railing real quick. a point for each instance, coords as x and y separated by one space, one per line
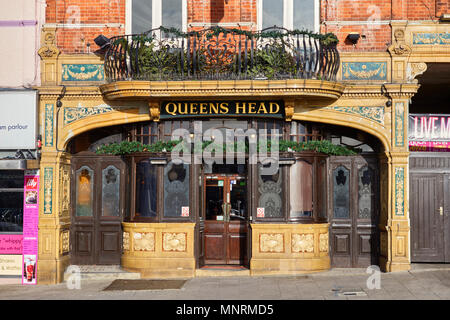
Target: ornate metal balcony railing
222 54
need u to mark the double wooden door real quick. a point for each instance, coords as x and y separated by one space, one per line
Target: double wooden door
354 211
429 207
97 210
225 220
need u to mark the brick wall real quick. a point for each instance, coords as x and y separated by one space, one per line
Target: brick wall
338 16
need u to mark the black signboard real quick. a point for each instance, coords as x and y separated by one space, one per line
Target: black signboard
197 109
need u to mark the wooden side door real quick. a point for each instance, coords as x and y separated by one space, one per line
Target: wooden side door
97 210
427 216
341 209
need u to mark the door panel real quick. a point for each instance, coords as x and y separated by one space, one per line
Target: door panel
97 214
427 235
354 211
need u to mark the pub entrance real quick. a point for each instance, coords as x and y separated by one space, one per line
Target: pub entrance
225 213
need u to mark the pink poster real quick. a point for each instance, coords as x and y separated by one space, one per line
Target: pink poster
10 244
30 226
435 146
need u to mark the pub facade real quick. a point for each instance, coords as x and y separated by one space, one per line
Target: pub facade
270 150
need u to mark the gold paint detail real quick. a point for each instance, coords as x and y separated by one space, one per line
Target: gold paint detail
399 47
126 241
154 111
323 242
289 110
144 241
271 242
302 242
48 49
175 241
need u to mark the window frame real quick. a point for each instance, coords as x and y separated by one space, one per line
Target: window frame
288 15
160 217
156 15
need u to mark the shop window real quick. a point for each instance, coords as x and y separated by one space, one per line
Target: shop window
151 14
366 193
341 193
176 189
110 191
270 189
146 189
146 133
84 192
290 14
301 189
11 201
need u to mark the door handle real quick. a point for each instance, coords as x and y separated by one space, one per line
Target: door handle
441 211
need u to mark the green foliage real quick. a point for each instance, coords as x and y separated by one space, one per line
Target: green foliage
321 146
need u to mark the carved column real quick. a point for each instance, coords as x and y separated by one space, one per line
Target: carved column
54 210
395 223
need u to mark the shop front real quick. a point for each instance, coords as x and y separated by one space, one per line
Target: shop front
170 169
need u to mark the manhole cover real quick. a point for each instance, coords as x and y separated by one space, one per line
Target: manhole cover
141 284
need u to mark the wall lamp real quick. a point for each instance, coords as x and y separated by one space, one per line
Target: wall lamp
103 42
353 37
445 17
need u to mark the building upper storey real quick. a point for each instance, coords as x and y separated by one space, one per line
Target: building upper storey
78 22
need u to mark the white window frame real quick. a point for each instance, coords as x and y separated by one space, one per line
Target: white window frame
288 14
156 15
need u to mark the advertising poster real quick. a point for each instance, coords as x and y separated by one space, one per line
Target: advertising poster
429 132
30 226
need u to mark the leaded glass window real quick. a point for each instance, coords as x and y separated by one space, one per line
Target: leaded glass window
366 194
176 188
84 192
341 192
270 192
110 191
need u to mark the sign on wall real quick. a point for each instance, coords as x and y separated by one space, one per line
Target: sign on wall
181 109
30 226
429 132
18 119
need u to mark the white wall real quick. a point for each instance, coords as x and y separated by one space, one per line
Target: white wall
19 62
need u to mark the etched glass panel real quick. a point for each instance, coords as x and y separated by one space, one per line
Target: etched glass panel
341 192
84 192
176 189
301 186
366 194
270 193
110 191
146 189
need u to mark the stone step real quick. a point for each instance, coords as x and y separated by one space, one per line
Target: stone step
218 272
101 273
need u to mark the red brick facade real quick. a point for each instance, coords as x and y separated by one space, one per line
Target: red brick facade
370 18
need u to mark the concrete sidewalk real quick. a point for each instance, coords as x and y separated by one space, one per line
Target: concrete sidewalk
423 282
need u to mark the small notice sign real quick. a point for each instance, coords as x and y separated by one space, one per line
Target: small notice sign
260 212
185 211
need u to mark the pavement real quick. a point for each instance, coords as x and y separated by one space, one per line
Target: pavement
422 282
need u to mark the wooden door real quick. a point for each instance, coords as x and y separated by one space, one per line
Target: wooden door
427 217
354 211
97 210
226 212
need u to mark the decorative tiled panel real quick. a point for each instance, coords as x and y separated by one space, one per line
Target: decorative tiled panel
72 114
323 242
302 242
372 113
126 241
144 241
431 38
174 241
48 124
271 242
83 72
364 71
48 190
399 191
399 124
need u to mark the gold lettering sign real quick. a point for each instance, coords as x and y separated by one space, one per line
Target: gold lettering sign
193 109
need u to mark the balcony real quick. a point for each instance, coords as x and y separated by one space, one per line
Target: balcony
224 62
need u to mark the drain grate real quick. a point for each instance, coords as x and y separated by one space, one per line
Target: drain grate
343 292
141 284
